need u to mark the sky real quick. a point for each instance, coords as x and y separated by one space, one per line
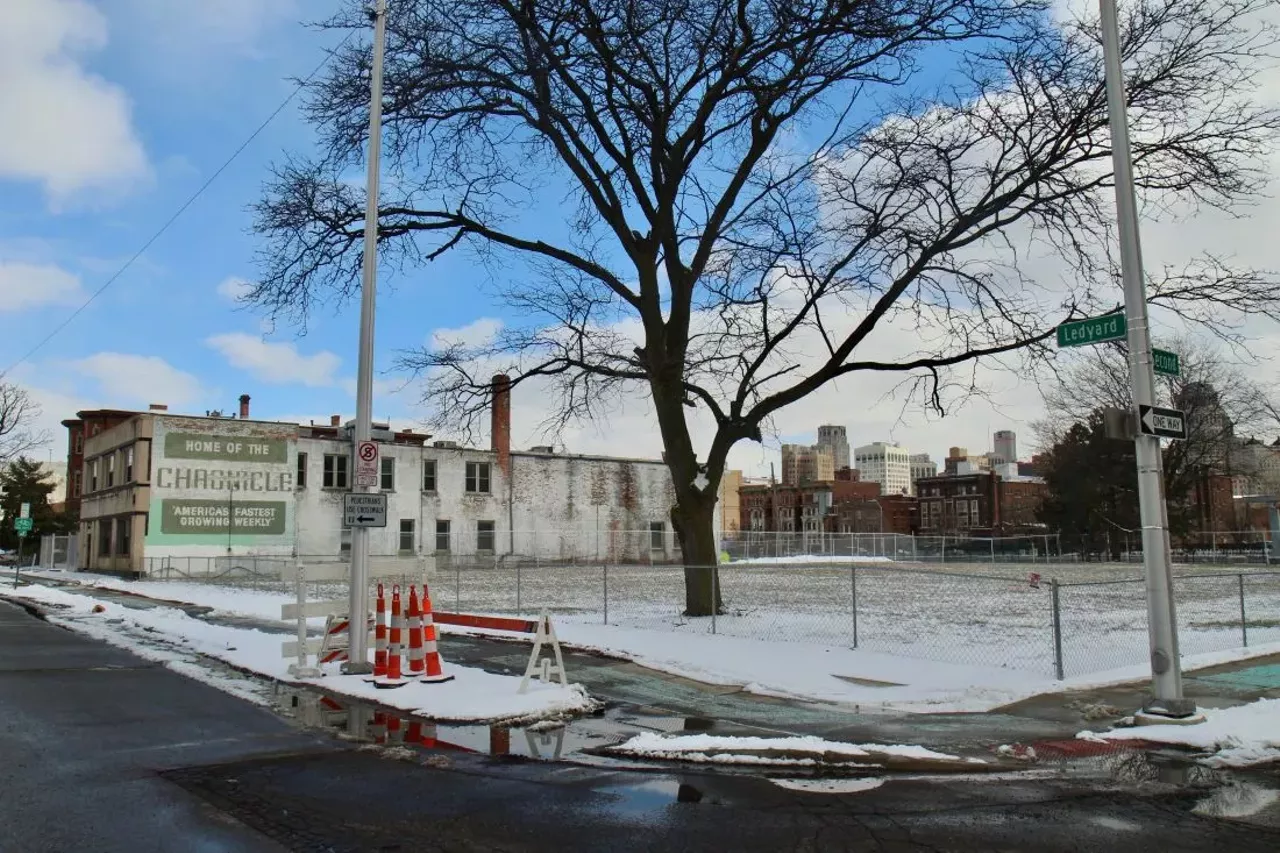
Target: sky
116 112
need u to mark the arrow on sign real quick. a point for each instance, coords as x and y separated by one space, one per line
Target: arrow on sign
363 518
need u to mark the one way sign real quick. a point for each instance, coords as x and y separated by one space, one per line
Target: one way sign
1165 423
364 510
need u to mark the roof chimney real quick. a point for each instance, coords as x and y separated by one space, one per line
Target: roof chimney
159 407
500 430
244 407
335 420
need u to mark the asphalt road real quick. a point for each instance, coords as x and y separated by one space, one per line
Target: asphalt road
102 751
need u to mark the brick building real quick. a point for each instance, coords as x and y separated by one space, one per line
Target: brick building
978 503
808 508
81 428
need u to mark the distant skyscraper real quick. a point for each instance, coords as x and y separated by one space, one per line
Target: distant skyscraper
1006 446
886 464
921 466
835 438
803 463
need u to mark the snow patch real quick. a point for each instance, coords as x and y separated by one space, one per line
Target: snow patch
829 786
1236 737
805 751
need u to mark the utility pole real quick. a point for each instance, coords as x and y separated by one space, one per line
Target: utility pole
1166 666
358 649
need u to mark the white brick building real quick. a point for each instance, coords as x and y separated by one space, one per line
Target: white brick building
161 487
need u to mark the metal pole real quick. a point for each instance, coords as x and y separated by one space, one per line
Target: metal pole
1166 668
715 596
1244 622
1057 630
853 598
992 540
605 572
358 652
519 608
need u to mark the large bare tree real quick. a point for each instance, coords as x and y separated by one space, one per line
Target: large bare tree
19 434
727 204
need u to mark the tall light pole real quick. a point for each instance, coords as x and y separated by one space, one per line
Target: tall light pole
1166 667
358 649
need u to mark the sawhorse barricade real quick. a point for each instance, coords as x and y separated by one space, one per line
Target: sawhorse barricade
544 635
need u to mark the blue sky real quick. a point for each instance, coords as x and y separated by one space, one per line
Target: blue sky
116 111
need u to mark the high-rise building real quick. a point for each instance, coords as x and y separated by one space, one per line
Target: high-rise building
834 437
803 464
1006 447
886 464
921 466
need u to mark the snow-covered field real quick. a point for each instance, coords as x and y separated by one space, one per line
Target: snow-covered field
171 636
778 663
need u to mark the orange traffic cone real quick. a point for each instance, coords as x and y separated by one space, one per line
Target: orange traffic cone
435 672
393 677
380 635
416 657
395 734
378 728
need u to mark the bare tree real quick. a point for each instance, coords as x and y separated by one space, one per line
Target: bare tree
18 412
1224 403
737 202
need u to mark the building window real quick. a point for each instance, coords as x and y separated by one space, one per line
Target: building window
78 442
335 471
442 535
657 535
428 475
344 541
478 477
93 476
406 536
111 470
128 464
123 529
104 537
484 536
75 483
300 481
973 510
387 474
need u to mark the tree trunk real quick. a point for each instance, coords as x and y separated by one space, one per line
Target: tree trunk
693 520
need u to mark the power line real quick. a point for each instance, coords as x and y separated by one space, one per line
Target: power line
181 210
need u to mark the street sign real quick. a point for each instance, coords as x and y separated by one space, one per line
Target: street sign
367 464
22 525
24 511
1165 362
1095 330
361 510
1166 423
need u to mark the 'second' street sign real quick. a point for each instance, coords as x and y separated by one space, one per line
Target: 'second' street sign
1094 330
1165 362
22 525
367 464
1165 423
364 510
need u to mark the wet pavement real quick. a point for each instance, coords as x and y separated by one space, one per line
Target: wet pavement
107 752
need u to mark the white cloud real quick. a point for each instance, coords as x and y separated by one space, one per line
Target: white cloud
476 333
212 27
234 288
125 380
29 285
277 363
65 128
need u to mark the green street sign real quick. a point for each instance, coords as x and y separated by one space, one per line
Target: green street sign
1095 330
1165 362
22 525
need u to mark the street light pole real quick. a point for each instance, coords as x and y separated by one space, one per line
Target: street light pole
1166 666
358 648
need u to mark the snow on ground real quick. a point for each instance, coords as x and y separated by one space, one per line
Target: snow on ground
807 751
892 669
473 695
1237 737
829 786
809 560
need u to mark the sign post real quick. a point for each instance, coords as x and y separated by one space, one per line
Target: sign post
367 465
1166 666
358 656
360 509
1162 423
1094 330
22 524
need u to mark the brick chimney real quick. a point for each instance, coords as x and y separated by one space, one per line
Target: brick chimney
335 420
500 430
244 407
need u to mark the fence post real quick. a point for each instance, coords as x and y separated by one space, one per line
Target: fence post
992 540
457 588
715 596
1057 630
605 570
1244 622
519 607
853 601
